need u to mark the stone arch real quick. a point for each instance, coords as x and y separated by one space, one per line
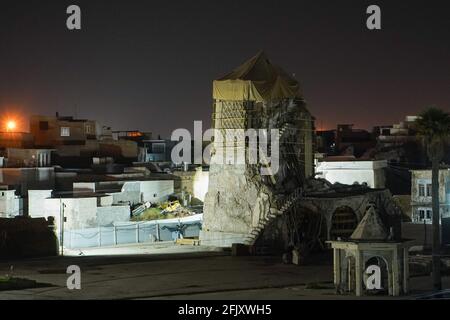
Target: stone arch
343 222
384 269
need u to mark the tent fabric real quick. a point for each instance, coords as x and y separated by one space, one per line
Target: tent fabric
256 80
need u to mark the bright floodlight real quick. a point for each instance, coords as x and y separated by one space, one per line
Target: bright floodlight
10 125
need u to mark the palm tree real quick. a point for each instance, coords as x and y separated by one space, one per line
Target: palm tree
433 125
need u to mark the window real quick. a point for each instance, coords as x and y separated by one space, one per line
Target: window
421 190
88 128
425 189
421 214
424 215
343 223
65 132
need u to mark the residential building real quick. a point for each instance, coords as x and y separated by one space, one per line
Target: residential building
80 210
398 133
401 146
58 130
156 150
421 195
78 141
19 158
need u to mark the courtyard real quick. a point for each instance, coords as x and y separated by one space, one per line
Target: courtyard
183 272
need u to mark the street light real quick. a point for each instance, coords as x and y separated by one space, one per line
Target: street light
10 125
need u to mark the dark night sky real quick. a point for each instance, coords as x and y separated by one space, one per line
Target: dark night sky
149 65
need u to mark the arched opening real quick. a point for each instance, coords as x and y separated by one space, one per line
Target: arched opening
343 223
384 275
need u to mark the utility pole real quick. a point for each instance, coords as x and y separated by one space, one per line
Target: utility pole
61 225
436 245
425 233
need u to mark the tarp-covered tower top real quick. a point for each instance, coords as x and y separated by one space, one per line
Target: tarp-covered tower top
256 80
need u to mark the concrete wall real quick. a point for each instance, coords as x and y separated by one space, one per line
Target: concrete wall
84 186
135 192
78 212
83 213
126 197
419 234
156 191
36 202
105 201
194 183
108 215
200 184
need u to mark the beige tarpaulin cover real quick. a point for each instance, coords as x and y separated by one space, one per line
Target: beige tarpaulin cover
256 80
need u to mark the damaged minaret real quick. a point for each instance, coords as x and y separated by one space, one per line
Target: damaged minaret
244 196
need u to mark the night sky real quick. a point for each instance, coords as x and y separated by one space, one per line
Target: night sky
149 65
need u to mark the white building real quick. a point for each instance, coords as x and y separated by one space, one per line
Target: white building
80 211
131 192
370 173
93 204
10 204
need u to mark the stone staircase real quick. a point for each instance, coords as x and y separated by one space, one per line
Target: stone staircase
284 204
